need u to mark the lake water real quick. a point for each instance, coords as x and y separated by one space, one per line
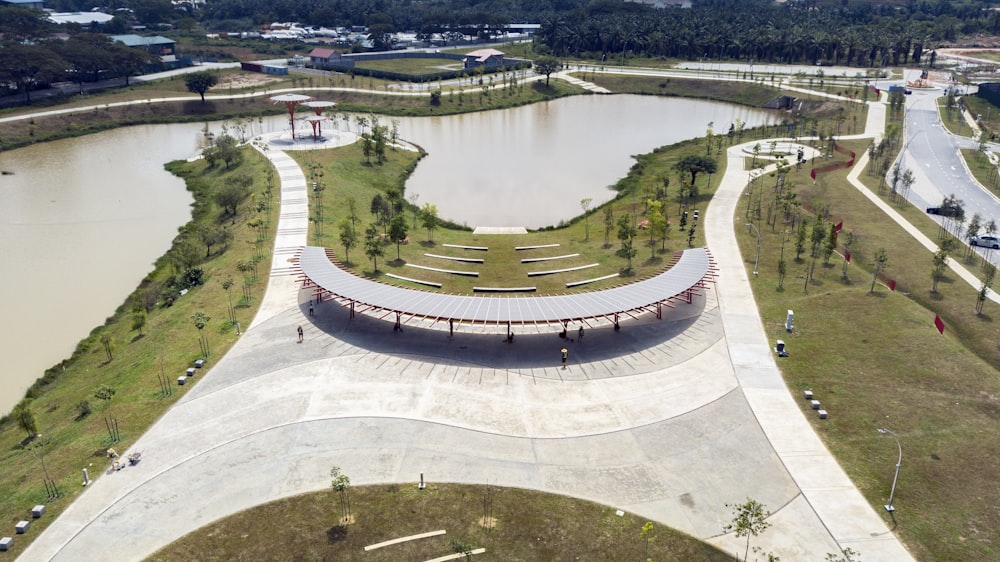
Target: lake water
82 220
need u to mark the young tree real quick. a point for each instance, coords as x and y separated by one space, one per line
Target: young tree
201 320
373 245
695 165
880 263
648 535
626 234
546 66
939 265
972 230
397 231
25 417
233 192
463 548
429 219
609 223
800 239
109 346
213 235
989 274
348 238
105 393
830 245
342 484
749 520
200 82
657 223
585 204
138 318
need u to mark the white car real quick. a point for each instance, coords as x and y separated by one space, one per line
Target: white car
986 240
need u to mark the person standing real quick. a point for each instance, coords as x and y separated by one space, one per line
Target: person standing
565 356
579 334
300 333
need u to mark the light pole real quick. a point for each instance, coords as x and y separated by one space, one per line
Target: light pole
888 507
757 259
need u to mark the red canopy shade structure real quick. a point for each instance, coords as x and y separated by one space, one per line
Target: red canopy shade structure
290 101
319 106
315 121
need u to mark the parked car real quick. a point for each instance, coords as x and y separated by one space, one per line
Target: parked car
943 211
987 241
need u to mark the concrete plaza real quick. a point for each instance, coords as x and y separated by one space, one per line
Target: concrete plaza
670 419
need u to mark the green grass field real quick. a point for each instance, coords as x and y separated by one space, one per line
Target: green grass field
359 181
412 65
526 526
72 439
876 360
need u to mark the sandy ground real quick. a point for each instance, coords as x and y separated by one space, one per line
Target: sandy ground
244 80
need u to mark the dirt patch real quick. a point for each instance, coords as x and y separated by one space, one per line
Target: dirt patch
244 80
816 109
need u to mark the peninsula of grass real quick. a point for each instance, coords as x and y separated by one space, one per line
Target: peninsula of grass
142 365
357 182
875 360
526 525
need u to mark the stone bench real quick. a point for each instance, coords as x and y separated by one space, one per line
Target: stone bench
453 272
479 248
503 289
567 270
550 258
453 258
594 280
417 281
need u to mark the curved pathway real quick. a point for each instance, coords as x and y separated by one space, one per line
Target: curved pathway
668 419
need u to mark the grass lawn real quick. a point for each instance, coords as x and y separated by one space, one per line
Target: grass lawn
952 119
526 526
359 181
71 438
875 360
412 66
984 172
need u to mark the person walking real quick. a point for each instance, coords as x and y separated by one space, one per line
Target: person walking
565 356
300 333
579 334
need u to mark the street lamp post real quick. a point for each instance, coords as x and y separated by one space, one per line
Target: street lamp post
757 259
888 507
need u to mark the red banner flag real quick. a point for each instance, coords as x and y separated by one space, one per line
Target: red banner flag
847 256
812 174
892 284
939 324
839 227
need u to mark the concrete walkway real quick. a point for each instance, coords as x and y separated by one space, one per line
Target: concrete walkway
667 419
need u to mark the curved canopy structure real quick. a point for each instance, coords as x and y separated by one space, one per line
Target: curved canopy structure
689 273
290 101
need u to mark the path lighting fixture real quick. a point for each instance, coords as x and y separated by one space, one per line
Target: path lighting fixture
757 259
888 507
